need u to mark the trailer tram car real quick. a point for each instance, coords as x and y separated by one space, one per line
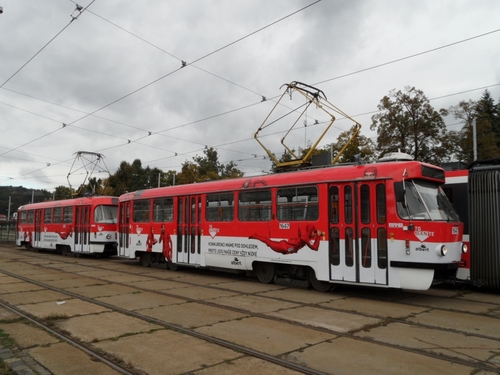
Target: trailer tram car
74 226
475 194
384 225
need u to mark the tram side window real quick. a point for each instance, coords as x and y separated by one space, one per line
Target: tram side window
57 215
68 215
47 215
349 247
24 217
366 248
381 203
106 214
335 246
348 204
382 248
163 210
254 205
334 204
220 207
298 203
141 211
365 204
31 217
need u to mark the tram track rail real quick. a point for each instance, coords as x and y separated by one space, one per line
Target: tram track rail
476 363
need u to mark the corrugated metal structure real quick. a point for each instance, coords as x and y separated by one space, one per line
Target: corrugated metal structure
484 224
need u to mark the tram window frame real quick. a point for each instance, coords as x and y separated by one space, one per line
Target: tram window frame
67 215
47 215
348 204
349 247
364 194
106 214
335 246
299 203
142 211
24 217
382 248
381 203
255 205
219 207
57 218
366 248
163 210
334 205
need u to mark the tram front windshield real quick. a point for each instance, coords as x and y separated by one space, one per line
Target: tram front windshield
423 200
106 214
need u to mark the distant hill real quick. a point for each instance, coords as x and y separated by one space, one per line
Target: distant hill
19 196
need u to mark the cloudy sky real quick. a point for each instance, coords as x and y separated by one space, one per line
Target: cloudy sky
112 81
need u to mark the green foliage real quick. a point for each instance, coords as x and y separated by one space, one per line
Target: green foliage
20 196
486 116
408 122
207 168
132 177
360 146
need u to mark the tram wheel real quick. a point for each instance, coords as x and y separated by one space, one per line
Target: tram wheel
146 259
66 251
264 272
172 266
320 286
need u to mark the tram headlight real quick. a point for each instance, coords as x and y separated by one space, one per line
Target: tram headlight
108 236
465 248
442 250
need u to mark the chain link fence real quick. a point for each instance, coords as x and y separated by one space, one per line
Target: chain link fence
8 232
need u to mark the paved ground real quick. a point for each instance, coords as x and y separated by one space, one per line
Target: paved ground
347 331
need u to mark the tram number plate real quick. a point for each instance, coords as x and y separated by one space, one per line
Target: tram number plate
284 225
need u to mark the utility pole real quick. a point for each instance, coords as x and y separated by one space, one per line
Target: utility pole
474 138
8 210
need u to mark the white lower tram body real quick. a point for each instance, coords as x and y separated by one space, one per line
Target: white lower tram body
236 253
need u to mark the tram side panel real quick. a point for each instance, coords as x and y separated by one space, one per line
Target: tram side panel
455 189
484 211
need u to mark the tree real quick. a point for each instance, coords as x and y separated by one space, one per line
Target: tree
360 145
63 192
408 122
483 113
131 177
488 115
208 168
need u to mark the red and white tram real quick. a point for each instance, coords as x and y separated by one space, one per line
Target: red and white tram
80 225
475 194
455 189
386 225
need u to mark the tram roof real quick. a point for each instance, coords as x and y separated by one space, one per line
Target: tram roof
341 172
80 201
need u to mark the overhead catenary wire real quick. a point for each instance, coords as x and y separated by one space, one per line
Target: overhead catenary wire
137 141
73 18
156 80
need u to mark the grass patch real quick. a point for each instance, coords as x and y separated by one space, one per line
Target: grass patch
5 369
5 340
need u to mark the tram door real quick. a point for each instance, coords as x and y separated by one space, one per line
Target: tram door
37 235
124 239
358 235
189 229
82 229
